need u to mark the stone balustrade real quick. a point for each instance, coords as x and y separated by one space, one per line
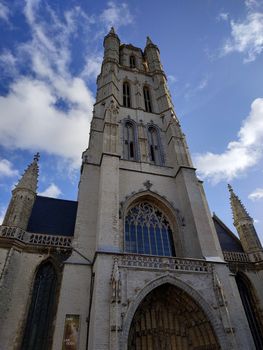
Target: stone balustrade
36 239
236 257
164 263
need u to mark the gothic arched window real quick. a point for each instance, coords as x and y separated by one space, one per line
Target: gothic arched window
155 152
126 95
37 334
132 61
148 231
130 141
147 99
251 310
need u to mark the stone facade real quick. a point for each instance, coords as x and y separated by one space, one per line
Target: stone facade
137 154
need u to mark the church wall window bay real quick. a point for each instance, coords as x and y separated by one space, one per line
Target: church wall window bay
126 95
132 61
147 99
148 231
155 149
37 332
130 141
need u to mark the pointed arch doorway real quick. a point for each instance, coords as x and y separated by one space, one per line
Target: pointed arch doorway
169 319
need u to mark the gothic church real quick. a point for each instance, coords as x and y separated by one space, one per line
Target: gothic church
137 262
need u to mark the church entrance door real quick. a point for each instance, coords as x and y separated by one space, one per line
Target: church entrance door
169 319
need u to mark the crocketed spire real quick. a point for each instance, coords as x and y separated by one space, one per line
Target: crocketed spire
30 177
238 209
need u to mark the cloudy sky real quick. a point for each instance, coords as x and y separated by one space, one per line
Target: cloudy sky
212 52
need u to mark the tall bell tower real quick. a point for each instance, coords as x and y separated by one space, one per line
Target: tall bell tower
143 230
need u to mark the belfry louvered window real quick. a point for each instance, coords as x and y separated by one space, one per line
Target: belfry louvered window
130 145
126 95
132 61
37 334
155 152
147 99
148 231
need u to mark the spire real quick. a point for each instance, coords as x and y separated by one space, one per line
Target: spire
238 209
29 178
112 31
149 41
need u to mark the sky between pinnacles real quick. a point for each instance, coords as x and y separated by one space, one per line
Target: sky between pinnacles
212 52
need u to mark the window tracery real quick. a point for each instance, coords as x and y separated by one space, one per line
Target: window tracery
155 150
130 141
148 231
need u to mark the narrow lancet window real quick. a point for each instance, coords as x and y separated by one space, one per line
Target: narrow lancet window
126 95
147 99
130 143
154 146
37 334
148 231
132 62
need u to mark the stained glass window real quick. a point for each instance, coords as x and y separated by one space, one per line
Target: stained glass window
147 231
41 312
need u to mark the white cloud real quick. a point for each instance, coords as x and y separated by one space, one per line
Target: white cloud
51 191
2 214
223 16
92 67
6 168
203 83
172 79
256 194
246 37
8 63
50 108
51 111
116 15
4 12
241 154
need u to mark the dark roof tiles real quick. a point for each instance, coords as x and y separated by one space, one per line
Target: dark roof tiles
53 216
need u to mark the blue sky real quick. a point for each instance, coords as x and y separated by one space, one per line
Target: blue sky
212 52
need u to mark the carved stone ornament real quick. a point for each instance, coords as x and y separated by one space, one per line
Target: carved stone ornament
113 107
148 185
116 283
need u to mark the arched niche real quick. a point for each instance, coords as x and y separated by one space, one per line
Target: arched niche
169 315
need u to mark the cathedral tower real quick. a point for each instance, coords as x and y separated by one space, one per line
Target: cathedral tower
143 228
137 262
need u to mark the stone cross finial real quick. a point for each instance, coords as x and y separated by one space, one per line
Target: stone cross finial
37 156
229 188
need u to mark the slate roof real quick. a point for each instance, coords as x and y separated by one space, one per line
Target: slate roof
53 216
228 241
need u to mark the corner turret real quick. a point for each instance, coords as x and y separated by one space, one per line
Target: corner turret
111 46
23 197
245 228
152 55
